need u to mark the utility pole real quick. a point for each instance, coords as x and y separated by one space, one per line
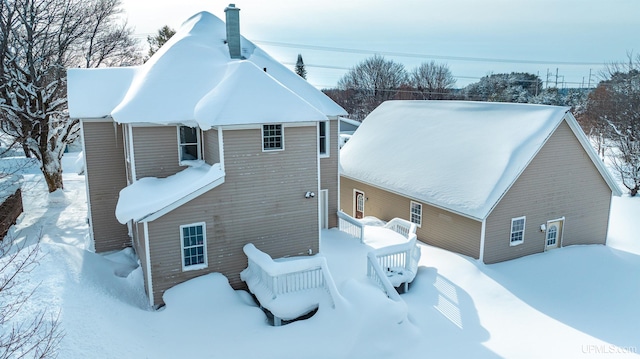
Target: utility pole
589 85
556 77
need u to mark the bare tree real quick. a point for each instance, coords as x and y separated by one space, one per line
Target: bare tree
372 82
39 39
37 337
433 81
613 109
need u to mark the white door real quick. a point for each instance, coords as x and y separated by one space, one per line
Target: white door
554 234
324 208
359 204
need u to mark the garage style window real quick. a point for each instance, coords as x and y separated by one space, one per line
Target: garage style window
272 139
517 230
193 240
416 213
189 143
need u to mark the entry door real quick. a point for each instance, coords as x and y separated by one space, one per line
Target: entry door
359 204
324 208
554 234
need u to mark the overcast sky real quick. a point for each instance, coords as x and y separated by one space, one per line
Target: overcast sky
474 38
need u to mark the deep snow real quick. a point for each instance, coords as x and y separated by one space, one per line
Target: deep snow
579 301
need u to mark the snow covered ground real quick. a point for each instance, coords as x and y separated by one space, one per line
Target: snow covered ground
573 302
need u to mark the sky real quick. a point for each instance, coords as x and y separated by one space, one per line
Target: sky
568 41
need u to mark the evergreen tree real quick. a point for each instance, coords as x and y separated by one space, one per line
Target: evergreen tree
156 42
300 70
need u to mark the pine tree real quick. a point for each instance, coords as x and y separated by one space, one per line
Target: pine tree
156 42
300 70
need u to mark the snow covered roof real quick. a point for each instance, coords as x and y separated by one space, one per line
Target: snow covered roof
462 156
194 66
140 201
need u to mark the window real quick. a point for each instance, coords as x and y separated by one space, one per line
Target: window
323 138
517 230
189 143
194 246
272 139
416 213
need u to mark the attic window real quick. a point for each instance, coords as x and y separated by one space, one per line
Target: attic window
323 138
517 231
189 144
272 138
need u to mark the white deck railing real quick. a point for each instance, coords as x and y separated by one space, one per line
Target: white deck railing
350 225
379 277
401 226
270 281
398 263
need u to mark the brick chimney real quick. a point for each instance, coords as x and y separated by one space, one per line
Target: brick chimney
233 31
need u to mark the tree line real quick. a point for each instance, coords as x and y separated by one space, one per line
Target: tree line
609 114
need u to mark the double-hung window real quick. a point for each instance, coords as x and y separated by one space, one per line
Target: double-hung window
193 240
517 230
272 137
416 213
189 143
323 138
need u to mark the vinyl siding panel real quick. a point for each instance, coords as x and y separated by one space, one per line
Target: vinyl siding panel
329 173
439 227
261 202
106 176
561 181
155 151
211 147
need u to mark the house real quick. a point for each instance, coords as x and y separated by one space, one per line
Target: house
347 128
208 146
493 181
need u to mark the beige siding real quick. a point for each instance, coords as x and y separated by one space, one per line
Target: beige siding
439 227
261 202
561 181
105 172
329 173
211 147
156 151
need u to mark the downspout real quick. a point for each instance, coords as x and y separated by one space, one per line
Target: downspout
147 253
482 238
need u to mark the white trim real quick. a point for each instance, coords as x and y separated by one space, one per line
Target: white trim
199 141
524 227
258 126
221 148
411 203
482 239
355 202
161 212
204 247
86 176
327 139
584 141
132 158
561 219
337 151
323 215
147 254
281 138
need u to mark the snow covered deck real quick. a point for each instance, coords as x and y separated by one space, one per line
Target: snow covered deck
292 287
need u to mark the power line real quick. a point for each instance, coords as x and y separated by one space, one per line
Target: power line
404 54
